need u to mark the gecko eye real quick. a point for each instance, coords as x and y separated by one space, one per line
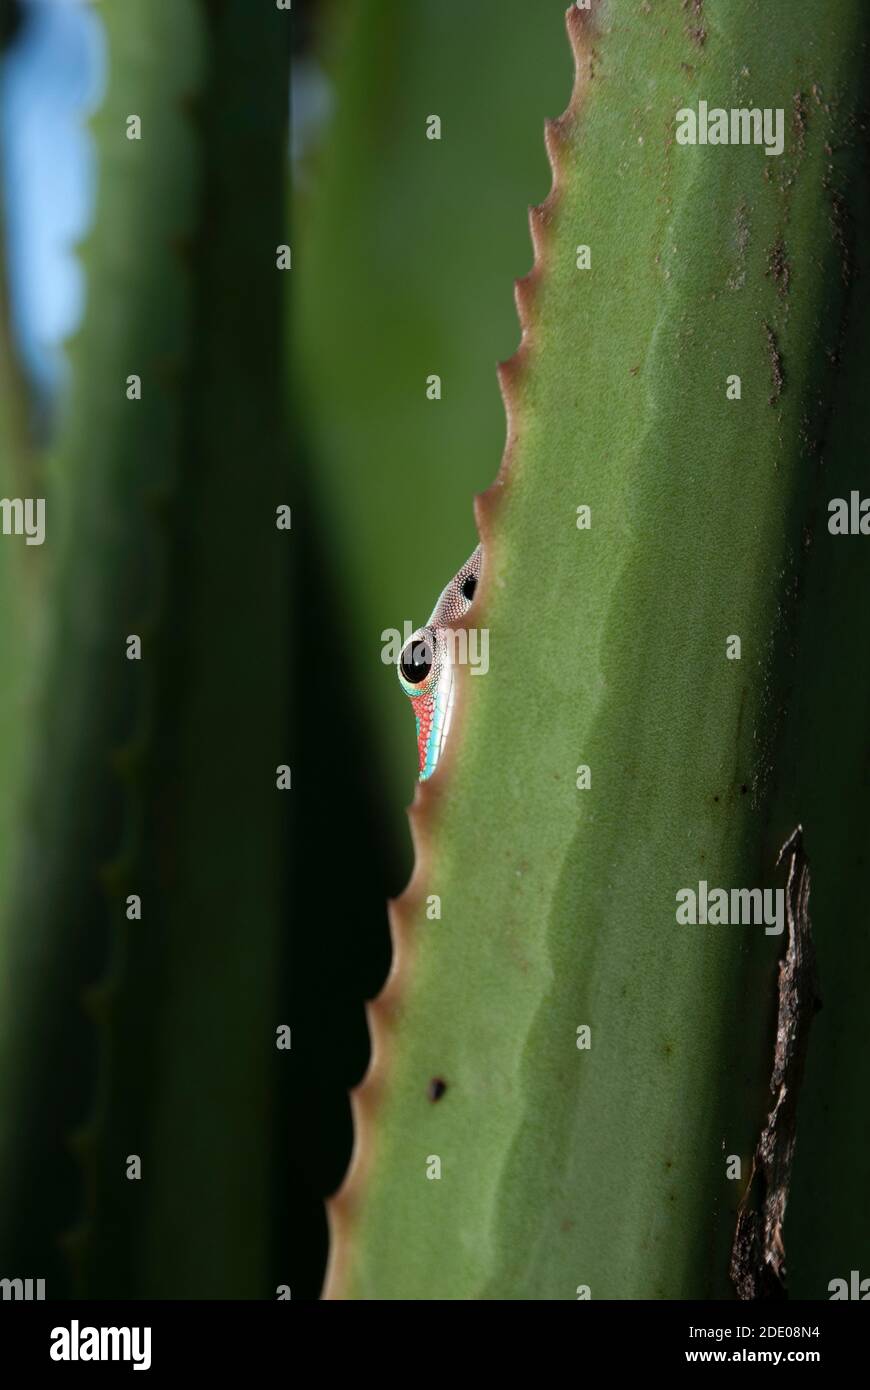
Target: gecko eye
469 584
416 659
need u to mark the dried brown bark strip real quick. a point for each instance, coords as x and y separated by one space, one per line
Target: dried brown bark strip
758 1251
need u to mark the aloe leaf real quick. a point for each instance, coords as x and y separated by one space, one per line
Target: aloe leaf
605 1169
390 283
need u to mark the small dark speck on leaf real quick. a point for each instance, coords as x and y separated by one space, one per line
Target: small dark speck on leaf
436 1088
776 369
839 225
744 789
696 32
799 120
778 267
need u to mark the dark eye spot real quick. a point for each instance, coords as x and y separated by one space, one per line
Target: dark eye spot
436 1088
469 584
416 660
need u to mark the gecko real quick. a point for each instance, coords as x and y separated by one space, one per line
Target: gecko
425 665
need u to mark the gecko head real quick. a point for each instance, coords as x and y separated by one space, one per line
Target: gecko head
426 663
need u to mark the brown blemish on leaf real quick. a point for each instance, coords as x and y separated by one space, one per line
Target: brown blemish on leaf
776 369
778 267
839 222
758 1252
436 1088
741 240
799 113
696 32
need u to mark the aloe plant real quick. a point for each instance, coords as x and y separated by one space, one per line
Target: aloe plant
497 1155
564 1076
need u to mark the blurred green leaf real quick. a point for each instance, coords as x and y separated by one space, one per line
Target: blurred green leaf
158 778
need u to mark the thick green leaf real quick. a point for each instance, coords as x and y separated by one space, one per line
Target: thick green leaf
404 252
